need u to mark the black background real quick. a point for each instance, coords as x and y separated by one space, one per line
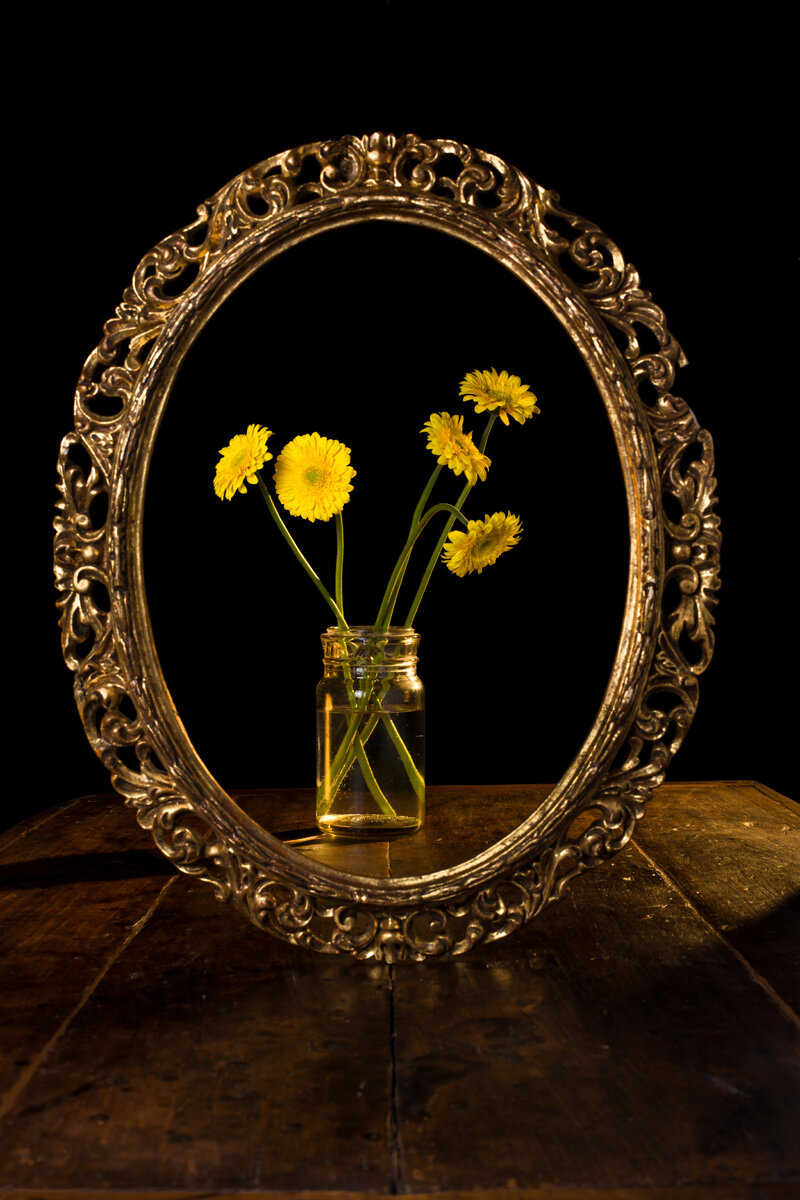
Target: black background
659 135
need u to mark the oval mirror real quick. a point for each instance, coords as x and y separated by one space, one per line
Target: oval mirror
372 198
518 656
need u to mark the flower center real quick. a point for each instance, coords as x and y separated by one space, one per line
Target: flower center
315 477
496 394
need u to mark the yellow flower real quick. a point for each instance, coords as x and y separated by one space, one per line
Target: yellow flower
312 477
455 449
240 459
482 544
504 392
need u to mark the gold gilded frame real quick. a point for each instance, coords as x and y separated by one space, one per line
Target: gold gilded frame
651 696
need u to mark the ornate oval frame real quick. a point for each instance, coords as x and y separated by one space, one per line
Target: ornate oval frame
651 696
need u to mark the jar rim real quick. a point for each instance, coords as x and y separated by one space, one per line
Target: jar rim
397 646
369 631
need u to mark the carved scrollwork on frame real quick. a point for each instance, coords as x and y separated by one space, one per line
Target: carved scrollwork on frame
668 467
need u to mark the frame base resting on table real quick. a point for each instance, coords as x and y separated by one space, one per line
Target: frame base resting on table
639 1039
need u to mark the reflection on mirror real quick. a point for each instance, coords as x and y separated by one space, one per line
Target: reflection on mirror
360 334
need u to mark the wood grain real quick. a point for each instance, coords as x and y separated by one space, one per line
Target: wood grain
757 1191
461 822
74 884
733 849
215 1057
636 1041
615 1042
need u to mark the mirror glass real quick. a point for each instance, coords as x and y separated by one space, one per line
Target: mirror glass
360 334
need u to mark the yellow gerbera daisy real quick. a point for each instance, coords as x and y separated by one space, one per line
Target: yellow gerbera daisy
455 449
312 477
482 544
503 392
240 459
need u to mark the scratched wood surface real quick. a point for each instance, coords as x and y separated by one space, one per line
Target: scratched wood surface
639 1037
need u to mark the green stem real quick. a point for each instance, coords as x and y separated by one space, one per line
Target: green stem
353 743
434 558
346 751
336 607
371 781
339 561
386 609
389 598
416 780
352 746
304 563
487 431
423 500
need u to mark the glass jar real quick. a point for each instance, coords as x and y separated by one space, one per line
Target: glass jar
370 733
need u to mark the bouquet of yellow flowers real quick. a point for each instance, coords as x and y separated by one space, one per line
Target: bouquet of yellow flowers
370 777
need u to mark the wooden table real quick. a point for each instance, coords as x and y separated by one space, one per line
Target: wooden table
639 1039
